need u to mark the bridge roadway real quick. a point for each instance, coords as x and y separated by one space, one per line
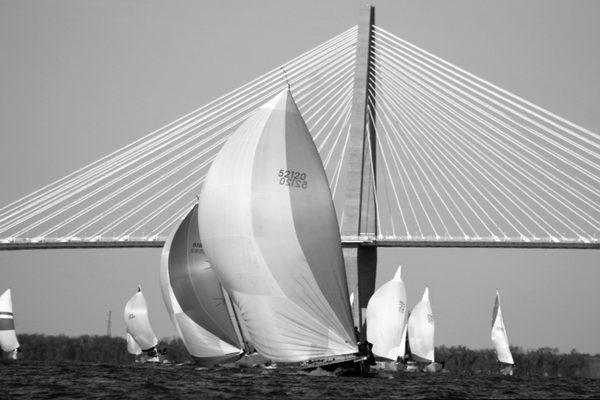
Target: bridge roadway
347 242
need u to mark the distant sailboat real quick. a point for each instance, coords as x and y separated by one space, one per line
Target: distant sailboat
199 308
138 325
8 337
421 329
269 229
500 338
385 319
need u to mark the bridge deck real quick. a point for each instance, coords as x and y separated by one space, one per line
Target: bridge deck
346 242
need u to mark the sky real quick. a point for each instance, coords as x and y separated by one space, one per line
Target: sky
79 79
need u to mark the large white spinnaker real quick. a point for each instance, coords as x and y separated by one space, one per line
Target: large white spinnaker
421 329
194 298
385 318
132 346
137 322
269 229
499 336
8 337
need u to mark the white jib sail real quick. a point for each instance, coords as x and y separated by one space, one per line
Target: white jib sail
385 318
269 229
194 298
499 336
421 329
137 322
8 337
132 346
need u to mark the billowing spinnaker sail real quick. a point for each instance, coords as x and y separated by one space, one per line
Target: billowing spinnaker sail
194 298
8 338
132 346
269 229
137 322
421 329
385 318
499 336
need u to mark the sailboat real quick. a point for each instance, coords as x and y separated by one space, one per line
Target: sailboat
8 338
138 326
386 321
200 309
421 329
500 339
269 229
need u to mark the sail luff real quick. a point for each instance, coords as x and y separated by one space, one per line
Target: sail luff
8 336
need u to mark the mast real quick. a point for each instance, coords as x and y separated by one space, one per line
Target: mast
359 216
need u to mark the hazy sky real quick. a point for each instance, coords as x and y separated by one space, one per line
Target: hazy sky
79 79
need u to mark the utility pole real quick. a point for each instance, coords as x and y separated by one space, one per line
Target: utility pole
108 323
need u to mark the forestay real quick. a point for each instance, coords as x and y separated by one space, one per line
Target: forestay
8 337
195 301
499 336
385 318
269 229
137 322
421 329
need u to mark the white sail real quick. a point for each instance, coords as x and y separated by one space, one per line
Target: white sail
8 337
499 336
402 347
269 228
421 329
194 298
385 318
137 322
132 346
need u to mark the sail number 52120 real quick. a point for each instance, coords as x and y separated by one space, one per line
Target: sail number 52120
294 179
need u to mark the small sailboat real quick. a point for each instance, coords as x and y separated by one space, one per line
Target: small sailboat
269 229
200 309
386 320
421 328
8 338
500 339
138 326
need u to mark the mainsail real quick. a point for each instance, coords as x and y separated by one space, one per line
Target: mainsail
385 318
137 322
132 346
269 229
8 338
195 301
421 329
499 336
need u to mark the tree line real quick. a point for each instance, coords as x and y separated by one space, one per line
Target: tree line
457 359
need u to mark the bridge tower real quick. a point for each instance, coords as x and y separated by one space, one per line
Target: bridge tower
360 214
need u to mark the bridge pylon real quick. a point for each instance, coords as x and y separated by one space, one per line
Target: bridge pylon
359 218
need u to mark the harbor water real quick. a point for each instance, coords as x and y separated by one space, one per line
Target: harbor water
25 380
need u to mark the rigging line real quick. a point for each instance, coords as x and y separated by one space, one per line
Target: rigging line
512 120
424 121
467 76
373 176
398 160
341 104
337 172
340 114
391 181
510 198
143 145
422 153
503 146
415 162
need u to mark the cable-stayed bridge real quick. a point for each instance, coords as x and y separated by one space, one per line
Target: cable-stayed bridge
446 159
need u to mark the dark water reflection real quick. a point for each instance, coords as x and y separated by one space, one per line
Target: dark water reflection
84 381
